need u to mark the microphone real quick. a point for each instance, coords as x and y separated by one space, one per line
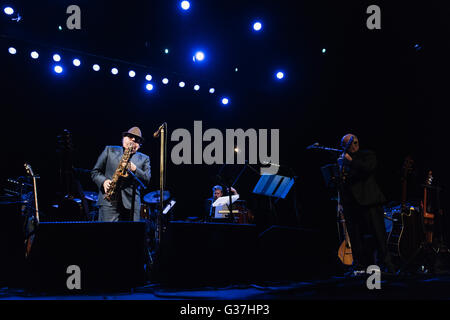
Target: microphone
156 134
313 146
349 143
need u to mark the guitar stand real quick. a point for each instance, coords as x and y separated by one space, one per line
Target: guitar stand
427 255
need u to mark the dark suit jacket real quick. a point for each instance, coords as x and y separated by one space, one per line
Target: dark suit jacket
107 164
361 179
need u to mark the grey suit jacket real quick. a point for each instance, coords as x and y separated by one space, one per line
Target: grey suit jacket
107 164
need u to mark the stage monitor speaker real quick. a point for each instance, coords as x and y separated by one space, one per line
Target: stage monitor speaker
12 249
95 256
199 253
292 253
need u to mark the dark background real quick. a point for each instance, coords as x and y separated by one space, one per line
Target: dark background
374 83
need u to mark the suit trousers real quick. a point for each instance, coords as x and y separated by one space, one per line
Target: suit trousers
367 234
117 212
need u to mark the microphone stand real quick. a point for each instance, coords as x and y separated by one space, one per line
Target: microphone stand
162 131
133 197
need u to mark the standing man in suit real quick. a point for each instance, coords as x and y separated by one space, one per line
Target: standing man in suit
363 206
104 169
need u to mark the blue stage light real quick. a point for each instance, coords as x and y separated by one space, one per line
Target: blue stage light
12 50
56 57
185 5
132 74
211 90
96 67
280 75
324 50
149 87
181 84
34 55
58 69
196 87
148 77
165 81
114 71
76 62
8 10
199 56
257 26
225 101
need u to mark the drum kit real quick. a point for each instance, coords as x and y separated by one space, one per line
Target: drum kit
243 214
148 206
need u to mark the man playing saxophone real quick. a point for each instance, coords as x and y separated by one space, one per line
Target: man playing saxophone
115 184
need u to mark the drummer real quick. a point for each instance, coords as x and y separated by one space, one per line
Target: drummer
210 211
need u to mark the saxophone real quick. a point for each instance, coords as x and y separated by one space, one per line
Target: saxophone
120 172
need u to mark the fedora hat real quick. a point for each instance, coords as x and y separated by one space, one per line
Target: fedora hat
136 133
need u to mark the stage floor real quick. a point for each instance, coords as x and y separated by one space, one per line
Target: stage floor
393 287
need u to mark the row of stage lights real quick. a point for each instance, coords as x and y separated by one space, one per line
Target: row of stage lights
197 57
58 69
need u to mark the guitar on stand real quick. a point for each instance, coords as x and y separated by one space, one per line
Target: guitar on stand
31 222
404 238
425 252
428 217
345 249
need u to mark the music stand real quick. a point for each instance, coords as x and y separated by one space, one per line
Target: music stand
273 186
225 201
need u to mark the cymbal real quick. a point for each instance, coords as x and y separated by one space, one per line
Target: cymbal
91 195
153 197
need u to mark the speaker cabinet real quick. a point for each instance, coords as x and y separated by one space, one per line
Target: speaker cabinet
291 253
12 250
198 253
107 255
